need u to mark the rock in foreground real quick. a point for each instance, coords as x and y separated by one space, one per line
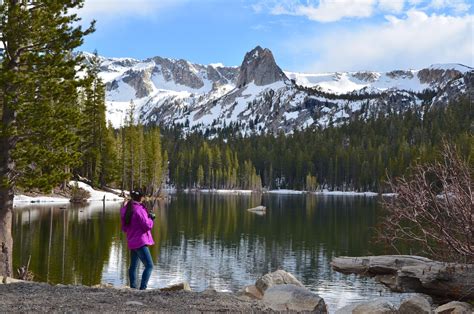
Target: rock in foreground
290 297
454 308
278 277
375 307
415 305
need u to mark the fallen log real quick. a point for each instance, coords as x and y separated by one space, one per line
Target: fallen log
406 273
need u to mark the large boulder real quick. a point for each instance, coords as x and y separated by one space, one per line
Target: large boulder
278 277
286 297
415 305
375 307
454 307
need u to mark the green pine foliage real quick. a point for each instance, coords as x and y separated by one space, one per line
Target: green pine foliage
39 87
356 156
39 92
93 129
139 158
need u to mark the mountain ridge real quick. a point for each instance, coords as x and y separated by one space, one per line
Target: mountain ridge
260 97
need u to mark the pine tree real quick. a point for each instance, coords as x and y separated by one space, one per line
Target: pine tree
93 128
109 158
154 161
38 86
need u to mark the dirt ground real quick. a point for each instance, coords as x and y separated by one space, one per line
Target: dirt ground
41 297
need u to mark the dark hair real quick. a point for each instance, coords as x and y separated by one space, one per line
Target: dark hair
136 196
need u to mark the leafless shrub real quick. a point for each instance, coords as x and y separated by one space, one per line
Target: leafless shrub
433 209
79 195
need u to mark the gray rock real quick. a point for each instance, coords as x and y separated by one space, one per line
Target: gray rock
375 307
346 309
260 67
133 303
454 307
399 74
290 297
180 286
437 76
415 305
252 292
278 277
366 76
140 81
104 285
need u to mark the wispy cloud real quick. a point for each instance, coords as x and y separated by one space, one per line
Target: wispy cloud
334 10
393 6
416 40
322 11
458 6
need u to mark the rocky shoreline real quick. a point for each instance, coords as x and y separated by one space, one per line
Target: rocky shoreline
274 292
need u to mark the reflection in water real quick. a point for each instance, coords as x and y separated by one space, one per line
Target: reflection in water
207 240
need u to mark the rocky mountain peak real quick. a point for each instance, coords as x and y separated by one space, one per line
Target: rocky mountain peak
259 66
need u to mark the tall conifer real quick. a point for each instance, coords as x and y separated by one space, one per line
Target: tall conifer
38 86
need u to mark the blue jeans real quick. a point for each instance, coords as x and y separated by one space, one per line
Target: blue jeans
144 255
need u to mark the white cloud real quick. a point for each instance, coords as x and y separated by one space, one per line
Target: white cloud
325 10
415 41
114 9
395 6
329 11
334 10
459 6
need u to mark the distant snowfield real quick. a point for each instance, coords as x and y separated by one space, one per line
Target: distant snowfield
346 82
23 200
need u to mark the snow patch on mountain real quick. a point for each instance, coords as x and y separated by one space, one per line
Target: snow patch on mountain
259 97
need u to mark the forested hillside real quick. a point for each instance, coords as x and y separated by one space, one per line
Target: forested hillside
355 156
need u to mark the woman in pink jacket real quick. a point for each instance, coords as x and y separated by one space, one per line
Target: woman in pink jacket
137 223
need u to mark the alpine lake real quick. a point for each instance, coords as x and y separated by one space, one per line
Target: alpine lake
209 241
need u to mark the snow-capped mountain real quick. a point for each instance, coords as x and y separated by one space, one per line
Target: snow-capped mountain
259 97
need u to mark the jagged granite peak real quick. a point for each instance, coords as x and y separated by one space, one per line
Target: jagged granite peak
259 67
147 76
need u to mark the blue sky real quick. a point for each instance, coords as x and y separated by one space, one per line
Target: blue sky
304 35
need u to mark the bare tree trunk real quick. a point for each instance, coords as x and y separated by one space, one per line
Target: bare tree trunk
7 166
8 141
6 240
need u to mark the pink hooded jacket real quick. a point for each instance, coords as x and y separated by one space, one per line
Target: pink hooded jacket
139 230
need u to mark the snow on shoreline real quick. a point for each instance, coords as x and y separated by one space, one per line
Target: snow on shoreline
95 197
287 192
98 196
217 191
23 199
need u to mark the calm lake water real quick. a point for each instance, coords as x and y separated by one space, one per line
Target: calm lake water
208 240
